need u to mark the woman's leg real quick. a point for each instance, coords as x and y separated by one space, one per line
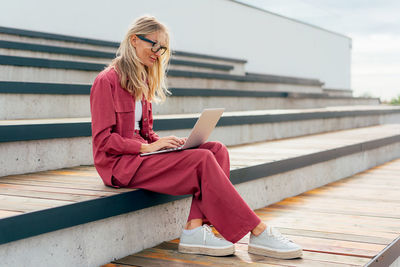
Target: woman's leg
196 217
198 172
222 156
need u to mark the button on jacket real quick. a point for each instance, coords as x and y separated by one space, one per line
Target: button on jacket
116 146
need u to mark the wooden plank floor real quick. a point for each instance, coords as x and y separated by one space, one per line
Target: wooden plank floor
36 191
345 223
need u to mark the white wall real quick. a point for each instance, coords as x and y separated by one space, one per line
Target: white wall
272 44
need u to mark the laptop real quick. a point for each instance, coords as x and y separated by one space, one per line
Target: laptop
200 132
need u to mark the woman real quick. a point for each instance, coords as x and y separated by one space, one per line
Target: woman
122 129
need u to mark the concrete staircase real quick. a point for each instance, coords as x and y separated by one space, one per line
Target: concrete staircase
286 135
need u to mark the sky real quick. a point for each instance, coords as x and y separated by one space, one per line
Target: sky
373 26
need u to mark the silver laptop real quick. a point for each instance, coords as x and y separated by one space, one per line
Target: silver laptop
200 132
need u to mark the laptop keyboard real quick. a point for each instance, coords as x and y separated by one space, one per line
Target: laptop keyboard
175 148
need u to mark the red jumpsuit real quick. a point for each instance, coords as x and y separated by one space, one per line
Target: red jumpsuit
202 172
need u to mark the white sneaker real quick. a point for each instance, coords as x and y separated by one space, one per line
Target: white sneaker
272 243
203 241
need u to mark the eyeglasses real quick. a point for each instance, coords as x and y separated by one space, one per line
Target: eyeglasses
155 46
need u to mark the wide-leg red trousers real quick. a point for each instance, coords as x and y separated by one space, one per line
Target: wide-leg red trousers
204 173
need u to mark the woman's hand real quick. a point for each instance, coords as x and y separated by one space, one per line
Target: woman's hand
163 143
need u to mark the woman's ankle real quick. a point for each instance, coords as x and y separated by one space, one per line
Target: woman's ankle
259 229
194 223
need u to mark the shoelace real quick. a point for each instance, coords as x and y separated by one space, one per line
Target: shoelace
278 236
208 231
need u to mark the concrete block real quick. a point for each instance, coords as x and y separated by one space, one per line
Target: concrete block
31 74
183 82
41 106
194 104
40 155
99 242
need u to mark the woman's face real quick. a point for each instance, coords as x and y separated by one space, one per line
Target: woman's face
144 48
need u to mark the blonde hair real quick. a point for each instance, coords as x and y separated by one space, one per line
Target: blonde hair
137 79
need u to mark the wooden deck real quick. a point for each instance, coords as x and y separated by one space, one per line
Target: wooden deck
346 223
42 190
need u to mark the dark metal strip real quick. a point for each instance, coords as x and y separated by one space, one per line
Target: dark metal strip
12 87
64 64
43 88
55 49
50 63
14 133
58 37
224 93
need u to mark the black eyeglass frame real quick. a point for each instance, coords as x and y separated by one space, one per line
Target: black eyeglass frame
162 48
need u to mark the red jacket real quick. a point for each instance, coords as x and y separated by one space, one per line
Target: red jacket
115 144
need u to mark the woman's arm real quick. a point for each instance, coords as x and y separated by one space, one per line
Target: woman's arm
155 142
104 120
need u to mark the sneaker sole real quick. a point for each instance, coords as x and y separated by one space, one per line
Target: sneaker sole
276 254
207 251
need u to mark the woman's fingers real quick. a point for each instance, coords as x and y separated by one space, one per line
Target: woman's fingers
174 140
170 142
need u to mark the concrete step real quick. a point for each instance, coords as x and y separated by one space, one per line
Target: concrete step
43 144
191 100
89 56
69 59
49 100
30 69
51 46
67 231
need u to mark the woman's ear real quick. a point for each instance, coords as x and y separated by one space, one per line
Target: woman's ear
134 40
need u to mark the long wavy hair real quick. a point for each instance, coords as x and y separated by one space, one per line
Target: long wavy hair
138 79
